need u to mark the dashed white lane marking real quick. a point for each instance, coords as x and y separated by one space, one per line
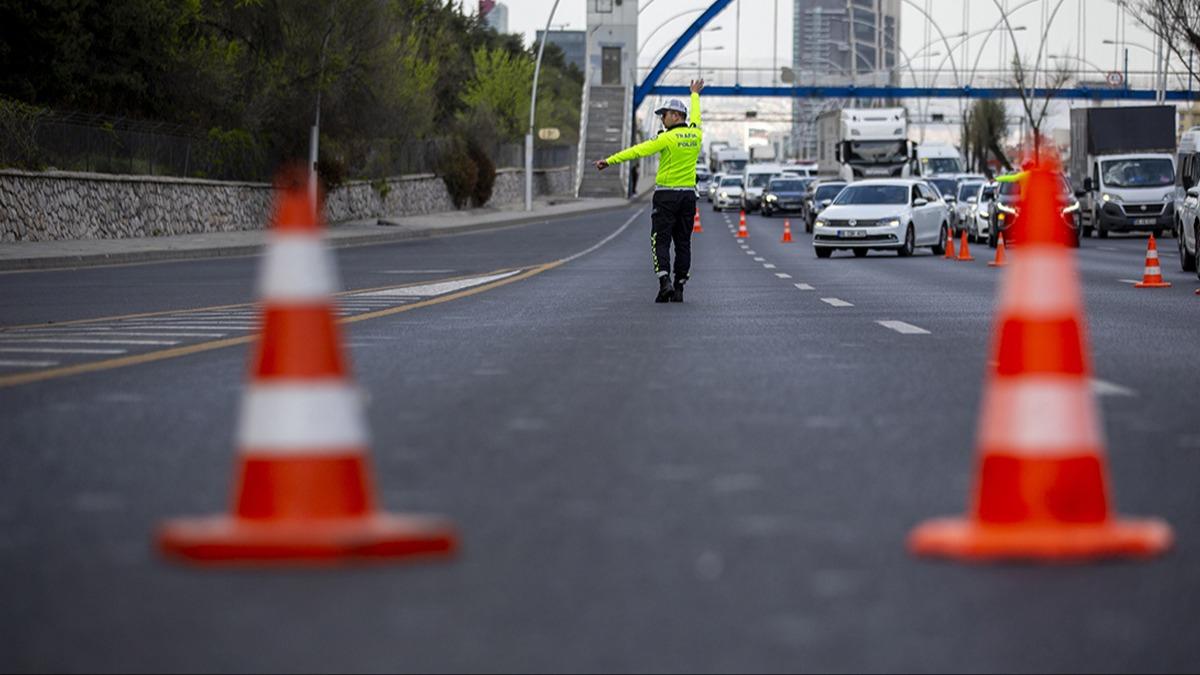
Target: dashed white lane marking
805 287
903 328
52 350
759 259
1107 248
415 271
6 363
783 275
1103 388
836 302
768 266
1128 281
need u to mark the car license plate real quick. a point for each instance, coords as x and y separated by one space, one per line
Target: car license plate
1144 221
851 234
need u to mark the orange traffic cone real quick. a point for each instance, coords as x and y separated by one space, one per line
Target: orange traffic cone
787 232
743 233
304 492
999 261
1152 276
949 246
1041 490
964 253
696 223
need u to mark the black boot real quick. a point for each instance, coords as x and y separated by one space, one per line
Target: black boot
665 292
677 296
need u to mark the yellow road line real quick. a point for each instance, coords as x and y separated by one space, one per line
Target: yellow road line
166 312
187 350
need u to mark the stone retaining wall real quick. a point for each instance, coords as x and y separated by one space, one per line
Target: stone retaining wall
53 205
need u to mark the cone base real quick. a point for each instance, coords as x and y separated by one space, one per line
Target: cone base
1152 284
966 259
223 540
964 539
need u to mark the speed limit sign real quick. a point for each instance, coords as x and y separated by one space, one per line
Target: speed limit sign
1115 79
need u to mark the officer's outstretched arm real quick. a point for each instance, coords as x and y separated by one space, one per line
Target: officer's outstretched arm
651 147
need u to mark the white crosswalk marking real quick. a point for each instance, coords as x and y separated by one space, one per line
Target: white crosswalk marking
8 363
53 350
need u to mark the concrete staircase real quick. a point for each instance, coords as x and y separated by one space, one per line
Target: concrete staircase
605 133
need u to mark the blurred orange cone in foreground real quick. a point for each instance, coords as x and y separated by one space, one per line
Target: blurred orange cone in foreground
1041 489
742 231
787 232
696 223
304 491
964 253
999 261
1152 276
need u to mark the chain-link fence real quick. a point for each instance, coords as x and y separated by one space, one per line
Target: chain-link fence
36 138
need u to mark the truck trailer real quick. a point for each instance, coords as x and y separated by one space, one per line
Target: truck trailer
1124 161
857 143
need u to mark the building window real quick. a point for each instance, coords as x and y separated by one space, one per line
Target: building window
604 6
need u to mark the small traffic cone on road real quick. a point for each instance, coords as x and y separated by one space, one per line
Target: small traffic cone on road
949 246
743 233
1152 275
304 492
1041 489
964 253
999 261
787 232
696 223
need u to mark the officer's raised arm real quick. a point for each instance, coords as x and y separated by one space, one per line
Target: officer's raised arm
697 86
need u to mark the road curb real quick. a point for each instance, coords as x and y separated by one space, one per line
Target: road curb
401 233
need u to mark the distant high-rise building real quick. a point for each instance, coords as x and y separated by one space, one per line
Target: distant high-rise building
495 14
573 43
840 42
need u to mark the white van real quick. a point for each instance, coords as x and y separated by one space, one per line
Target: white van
756 178
935 159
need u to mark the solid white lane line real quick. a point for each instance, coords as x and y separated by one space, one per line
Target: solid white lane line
6 363
836 302
624 226
783 275
1129 281
1104 388
903 328
415 271
52 350
94 334
805 287
768 266
86 341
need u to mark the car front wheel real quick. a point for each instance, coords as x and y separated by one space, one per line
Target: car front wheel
940 247
907 249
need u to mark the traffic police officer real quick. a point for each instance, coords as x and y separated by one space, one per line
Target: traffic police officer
675 190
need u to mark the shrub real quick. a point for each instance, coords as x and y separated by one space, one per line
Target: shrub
460 174
486 174
18 133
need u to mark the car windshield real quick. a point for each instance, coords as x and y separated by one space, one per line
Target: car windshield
790 185
987 194
946 186
1013 189
940 165
876 152
731 182
873 194
1138 173
967 190
828 191
758 179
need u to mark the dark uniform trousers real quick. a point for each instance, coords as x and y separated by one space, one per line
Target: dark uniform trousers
671 221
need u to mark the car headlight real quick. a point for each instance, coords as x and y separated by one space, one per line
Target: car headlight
1004 209
822 223
893 223
772 198
724 194
1111 198
1072 208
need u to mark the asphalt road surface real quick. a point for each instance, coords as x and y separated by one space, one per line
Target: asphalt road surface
723 484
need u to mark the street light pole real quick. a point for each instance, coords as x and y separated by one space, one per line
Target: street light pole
537 69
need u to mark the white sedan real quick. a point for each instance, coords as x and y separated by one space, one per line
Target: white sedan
886 214
729 193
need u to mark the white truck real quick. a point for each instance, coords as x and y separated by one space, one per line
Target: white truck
856 143
732 161
762 153
938 159
1124 159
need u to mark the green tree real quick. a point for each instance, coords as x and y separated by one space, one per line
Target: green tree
501 86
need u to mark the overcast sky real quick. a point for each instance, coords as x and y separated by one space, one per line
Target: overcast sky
1101 18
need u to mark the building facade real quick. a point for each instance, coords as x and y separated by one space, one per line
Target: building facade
495 15
573 43
840 42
